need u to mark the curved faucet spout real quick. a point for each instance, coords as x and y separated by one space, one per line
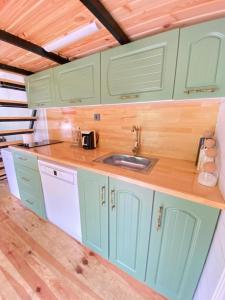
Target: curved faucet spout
137 143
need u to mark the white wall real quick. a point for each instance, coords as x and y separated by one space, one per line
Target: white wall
212 283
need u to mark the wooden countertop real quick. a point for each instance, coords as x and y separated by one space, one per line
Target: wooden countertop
171 176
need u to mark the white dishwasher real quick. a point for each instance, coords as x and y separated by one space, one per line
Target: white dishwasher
61 197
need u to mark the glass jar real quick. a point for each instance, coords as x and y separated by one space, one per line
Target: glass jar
208 174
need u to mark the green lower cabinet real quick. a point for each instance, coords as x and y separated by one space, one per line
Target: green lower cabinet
181 235
93 193
130 221
29 182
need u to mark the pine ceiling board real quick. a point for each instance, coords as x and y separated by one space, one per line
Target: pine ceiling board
99 40
46 21
142 17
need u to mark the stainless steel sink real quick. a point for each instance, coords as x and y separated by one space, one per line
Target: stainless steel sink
135 163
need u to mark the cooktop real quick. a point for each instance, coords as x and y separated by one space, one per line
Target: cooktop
41 143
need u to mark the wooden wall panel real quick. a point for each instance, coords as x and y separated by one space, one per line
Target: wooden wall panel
170 129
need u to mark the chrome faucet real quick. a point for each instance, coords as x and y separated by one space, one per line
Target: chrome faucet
137 144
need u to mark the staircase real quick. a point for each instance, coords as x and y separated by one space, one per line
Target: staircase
8 136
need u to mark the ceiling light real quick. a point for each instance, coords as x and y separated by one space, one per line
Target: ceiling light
71 37
11 76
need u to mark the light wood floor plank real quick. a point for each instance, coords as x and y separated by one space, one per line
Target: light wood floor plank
39 261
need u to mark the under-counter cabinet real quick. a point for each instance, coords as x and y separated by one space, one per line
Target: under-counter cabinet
181 235
201 61
40 89
116 226
143 70
78 82
93 195
129 226
29 182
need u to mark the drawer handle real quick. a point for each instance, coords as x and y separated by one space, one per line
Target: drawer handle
102 197
41 104
25 179
22 158
159 219
30 202
125 97
200 90
75 100
113 202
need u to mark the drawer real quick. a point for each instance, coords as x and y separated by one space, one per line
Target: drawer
34 203
25 159
28 180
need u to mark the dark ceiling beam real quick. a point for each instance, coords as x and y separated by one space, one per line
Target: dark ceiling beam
12 86
31 47
102 14
15 69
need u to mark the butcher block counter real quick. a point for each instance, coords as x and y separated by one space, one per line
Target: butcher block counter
171 176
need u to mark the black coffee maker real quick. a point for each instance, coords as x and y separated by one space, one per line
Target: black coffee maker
88 139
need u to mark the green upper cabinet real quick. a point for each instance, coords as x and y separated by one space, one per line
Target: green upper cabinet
78 82
180 239
130 221
93 195
143 70
40 89
201 61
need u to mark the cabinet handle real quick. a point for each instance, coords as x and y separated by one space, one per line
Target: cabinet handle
40 104
102 195
200 90
124 97
30 202
75 100
25 179
22 158
159 219
113 204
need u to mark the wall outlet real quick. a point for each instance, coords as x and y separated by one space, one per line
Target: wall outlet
97 117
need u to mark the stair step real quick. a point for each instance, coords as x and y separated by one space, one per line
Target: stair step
11 143
15 132
13 103
15 119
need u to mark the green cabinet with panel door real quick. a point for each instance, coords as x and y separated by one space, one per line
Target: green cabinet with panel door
40 89
116 223
181 235
78 82
143 70
201 61
93 194
29 182
129 231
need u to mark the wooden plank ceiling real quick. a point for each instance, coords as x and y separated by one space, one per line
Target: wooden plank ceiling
41 21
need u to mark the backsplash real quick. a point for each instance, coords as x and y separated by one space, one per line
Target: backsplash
220 132
169 128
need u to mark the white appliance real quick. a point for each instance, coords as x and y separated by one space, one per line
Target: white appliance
61 197
10 172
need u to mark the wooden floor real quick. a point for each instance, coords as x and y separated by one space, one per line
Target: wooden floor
39 261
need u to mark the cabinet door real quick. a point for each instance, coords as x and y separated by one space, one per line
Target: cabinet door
130 221
40 90
93 195
143 70
180 239
201 61
78 82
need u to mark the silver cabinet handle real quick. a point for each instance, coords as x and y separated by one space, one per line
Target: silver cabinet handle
25 179
102 195
113 203
75 100
124 97
159 219
200 90
22 158
30 202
